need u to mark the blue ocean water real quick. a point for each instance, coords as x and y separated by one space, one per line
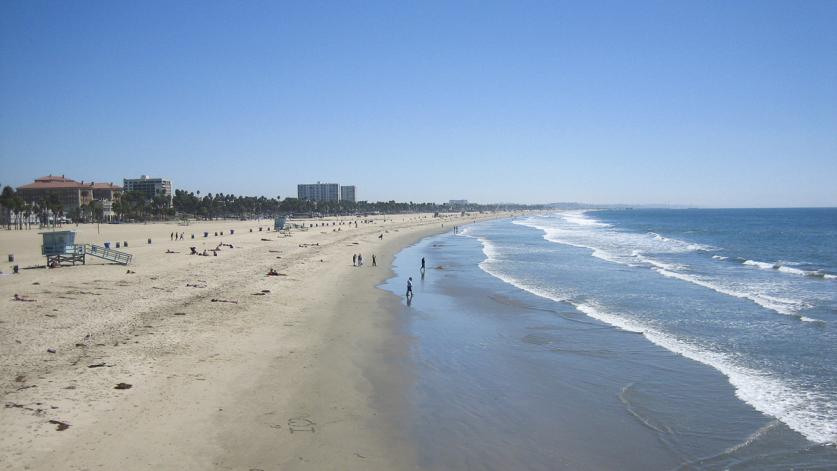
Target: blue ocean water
750 293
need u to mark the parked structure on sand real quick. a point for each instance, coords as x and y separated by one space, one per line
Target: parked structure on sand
59 247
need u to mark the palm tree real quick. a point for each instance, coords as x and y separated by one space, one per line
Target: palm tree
7 202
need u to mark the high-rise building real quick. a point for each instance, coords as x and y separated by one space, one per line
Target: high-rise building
318 191
347 193
458 202
151 187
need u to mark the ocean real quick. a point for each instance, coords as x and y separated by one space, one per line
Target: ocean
627 339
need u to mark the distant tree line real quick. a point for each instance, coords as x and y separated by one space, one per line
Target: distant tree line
137 206
17 213
216 206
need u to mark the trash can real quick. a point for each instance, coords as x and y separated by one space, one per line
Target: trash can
232 231
11 257
125 243
149 240
206 234
117 245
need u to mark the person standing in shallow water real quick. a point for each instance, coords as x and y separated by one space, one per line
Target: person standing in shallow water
410 287
422 264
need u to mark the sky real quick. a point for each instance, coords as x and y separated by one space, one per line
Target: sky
704 103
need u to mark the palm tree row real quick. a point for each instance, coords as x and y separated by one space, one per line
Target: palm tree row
18 213
137 206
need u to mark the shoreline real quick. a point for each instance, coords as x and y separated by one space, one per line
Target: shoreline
296 378
504 372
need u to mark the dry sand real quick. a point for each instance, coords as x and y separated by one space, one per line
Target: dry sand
293 373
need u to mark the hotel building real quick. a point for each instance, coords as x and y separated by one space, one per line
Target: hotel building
347 193
71 194
318 191
151 187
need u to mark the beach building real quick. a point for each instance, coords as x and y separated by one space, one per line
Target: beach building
318 191
72 195
347 193
150 186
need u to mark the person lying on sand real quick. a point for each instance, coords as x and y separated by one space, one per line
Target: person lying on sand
23 298
194 251
272 272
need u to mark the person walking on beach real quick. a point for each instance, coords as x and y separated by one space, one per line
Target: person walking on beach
360 260
410 287
354 259
171 236
374 263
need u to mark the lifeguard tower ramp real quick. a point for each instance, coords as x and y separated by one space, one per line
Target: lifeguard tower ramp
59 247
108 254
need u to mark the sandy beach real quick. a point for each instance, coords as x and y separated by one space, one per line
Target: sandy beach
192 362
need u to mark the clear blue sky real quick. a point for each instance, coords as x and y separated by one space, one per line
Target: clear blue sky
712 103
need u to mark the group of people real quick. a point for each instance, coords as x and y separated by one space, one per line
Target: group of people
410 282
357 260
176 236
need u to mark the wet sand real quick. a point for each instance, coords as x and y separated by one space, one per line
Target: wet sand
508 380
297 371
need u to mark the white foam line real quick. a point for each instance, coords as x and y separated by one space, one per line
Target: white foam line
757 388
580 218
782 306
779 305
786 269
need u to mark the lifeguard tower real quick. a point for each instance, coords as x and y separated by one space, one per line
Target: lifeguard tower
279 223
60 247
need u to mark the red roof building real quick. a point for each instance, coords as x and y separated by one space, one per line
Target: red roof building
70 193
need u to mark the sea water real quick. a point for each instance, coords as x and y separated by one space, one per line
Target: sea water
704 338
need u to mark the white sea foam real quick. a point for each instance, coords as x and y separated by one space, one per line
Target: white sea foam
603 242
659 264
793 271
658 236
489 249
719 257
580 218
785 306
762 265
783 267
808 412
633 249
